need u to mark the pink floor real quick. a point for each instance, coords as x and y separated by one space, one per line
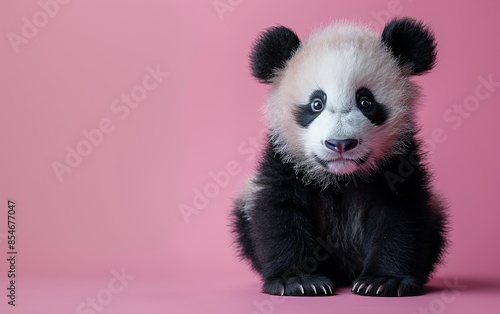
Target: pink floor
233 296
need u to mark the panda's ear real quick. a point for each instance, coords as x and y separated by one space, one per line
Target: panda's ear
271 51
412 43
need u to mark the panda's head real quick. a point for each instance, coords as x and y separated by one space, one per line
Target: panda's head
342 101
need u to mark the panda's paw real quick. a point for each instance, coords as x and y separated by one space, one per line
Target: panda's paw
385 286
303 285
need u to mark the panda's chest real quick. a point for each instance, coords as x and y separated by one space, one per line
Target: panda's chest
341 215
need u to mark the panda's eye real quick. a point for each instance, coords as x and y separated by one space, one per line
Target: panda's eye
317 105
365 103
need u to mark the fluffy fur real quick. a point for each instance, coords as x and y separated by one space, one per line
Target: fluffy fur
341 195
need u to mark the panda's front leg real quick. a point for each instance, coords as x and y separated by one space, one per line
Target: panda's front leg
394 256
287 249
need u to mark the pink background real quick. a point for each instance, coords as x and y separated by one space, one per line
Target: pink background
119 208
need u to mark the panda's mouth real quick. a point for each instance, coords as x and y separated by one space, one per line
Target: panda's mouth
341 159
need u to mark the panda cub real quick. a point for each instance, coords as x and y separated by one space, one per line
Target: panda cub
342 195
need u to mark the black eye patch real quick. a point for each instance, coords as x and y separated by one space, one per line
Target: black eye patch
305 115
366 103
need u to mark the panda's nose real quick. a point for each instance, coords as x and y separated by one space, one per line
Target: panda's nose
341 145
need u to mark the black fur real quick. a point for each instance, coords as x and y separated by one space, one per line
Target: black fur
272 50
384 237
376 113
412 44
305 115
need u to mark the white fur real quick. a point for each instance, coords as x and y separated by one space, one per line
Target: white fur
247 196
339 60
